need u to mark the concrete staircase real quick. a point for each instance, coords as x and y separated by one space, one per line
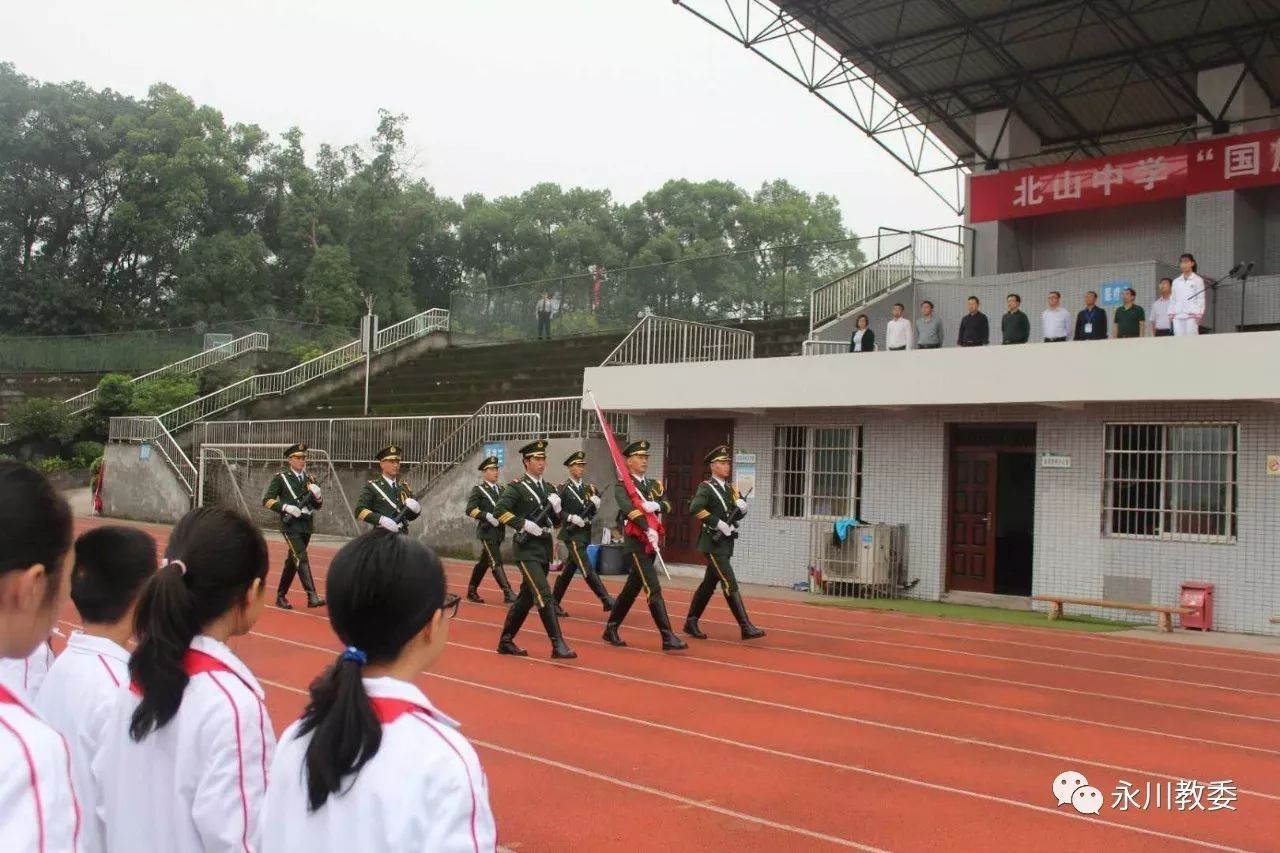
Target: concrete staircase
463 378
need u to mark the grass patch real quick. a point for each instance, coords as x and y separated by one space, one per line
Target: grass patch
974 613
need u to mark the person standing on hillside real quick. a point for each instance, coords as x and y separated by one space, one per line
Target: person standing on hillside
294 496
546 307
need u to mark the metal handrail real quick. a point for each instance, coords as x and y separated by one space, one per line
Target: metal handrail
813 346
150 429
273 384
252 342
925 257
345 440
663 340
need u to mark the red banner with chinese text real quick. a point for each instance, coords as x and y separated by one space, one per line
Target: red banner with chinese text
1135 177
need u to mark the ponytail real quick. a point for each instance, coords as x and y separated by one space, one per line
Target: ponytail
383 590
213 557
346 731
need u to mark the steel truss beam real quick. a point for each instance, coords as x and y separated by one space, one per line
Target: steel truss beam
798 52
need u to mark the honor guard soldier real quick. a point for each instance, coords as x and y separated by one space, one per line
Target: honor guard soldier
531 507
386 501
482 506
720 509
295 497
641 549
580 503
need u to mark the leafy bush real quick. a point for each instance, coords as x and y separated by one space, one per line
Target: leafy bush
52 464
115 396
83 453
43 418
157 396
306 352
576 323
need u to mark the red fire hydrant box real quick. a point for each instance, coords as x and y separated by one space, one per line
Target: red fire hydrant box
1200 596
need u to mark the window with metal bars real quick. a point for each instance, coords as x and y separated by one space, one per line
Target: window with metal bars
817 472
1170 481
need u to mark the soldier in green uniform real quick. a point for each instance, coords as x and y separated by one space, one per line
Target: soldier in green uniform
719 507
641 549
580 503
387 498
531 507
481 506
294 496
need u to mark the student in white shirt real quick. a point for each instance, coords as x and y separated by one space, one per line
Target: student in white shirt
1161 321
29 672
1055 322
111 566
372 764
1186 308
38 808
897 334
183 763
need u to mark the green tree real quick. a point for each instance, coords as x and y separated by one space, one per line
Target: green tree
329 290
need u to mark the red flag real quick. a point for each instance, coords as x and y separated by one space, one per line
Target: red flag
625 475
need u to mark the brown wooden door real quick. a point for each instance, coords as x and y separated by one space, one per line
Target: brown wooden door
971 551
687 442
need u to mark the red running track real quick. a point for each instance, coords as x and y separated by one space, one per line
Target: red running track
841 729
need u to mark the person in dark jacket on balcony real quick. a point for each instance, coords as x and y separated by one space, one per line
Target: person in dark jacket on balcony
1091 323
1015 328
862 339
975 331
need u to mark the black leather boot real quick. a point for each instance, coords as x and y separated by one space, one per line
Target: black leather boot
559 648
608 601
507 643
309 584
739 611
500 575
611 635
474 596
691 628
670 642
282 602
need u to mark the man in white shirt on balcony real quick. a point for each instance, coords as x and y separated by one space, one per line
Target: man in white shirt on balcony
1055 322
1161 322
898 334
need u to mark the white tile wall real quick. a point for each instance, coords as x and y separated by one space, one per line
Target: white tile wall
904 481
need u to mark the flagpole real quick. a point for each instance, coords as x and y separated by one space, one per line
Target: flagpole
625 477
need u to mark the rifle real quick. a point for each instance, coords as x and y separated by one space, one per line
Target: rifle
542 518
735 516
591 509
398 518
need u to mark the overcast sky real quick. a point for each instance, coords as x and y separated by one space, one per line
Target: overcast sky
501 94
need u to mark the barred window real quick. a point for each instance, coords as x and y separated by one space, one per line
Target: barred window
816 471
1170 481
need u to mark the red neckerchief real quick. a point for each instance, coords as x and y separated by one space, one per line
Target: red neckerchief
194 662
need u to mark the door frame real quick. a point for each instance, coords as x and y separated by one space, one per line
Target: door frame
990 547
955 443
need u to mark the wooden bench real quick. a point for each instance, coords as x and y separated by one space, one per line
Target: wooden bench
1164 620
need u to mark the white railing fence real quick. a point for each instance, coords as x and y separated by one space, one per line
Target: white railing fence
817 347
911 257
252 342
138 430
662 340
274 384
345 440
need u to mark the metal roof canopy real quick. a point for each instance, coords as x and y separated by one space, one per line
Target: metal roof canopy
1090 77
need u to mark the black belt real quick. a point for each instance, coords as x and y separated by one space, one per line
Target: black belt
928 346
896 349
1054 340
972 344
1164 333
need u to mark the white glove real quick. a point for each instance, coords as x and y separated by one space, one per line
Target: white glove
576 521
388 524
315 490
723 527
595 499
488 516
307 511
412 505
651 506
740 504
292 510
531 528
554 500
652 536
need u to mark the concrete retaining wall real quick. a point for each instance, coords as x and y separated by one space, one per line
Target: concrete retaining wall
141 489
